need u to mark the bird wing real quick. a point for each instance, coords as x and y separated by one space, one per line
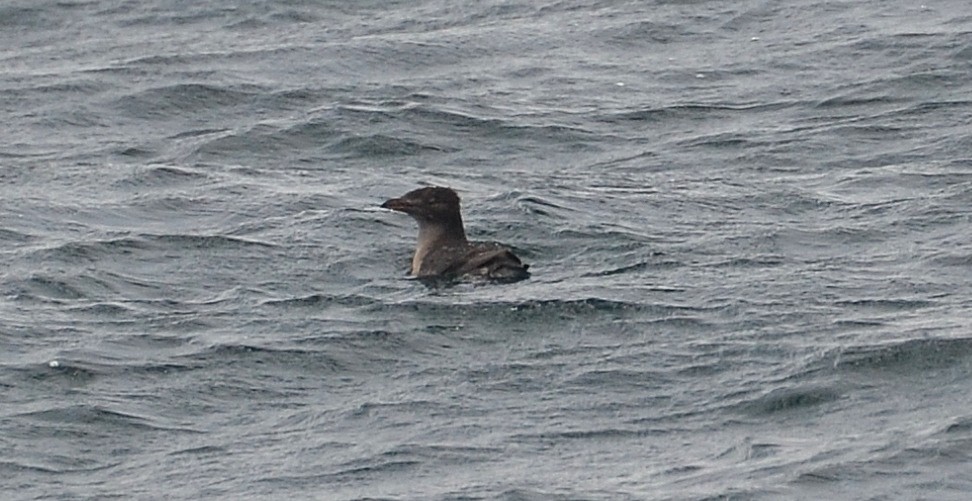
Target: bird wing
487 260
493 262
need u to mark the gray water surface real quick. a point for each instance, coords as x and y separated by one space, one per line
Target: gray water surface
747 222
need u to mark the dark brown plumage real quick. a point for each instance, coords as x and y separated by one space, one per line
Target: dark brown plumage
443 250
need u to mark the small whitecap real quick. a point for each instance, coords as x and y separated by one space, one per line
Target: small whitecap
699 75
754 39
54 364
620 84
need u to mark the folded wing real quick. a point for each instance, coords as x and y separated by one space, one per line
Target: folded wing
493 263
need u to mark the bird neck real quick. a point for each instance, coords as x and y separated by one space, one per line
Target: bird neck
441 232
434 235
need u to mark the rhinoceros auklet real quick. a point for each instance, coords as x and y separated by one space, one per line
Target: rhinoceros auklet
443 250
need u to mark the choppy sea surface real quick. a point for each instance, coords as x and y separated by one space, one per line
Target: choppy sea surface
749 225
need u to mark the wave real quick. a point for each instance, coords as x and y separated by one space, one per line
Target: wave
794 398
377 145
86 416
180 100
158 176
907 356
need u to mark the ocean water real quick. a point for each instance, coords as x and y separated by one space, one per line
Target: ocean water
748 225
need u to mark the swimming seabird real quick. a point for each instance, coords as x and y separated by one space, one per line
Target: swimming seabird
443 250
